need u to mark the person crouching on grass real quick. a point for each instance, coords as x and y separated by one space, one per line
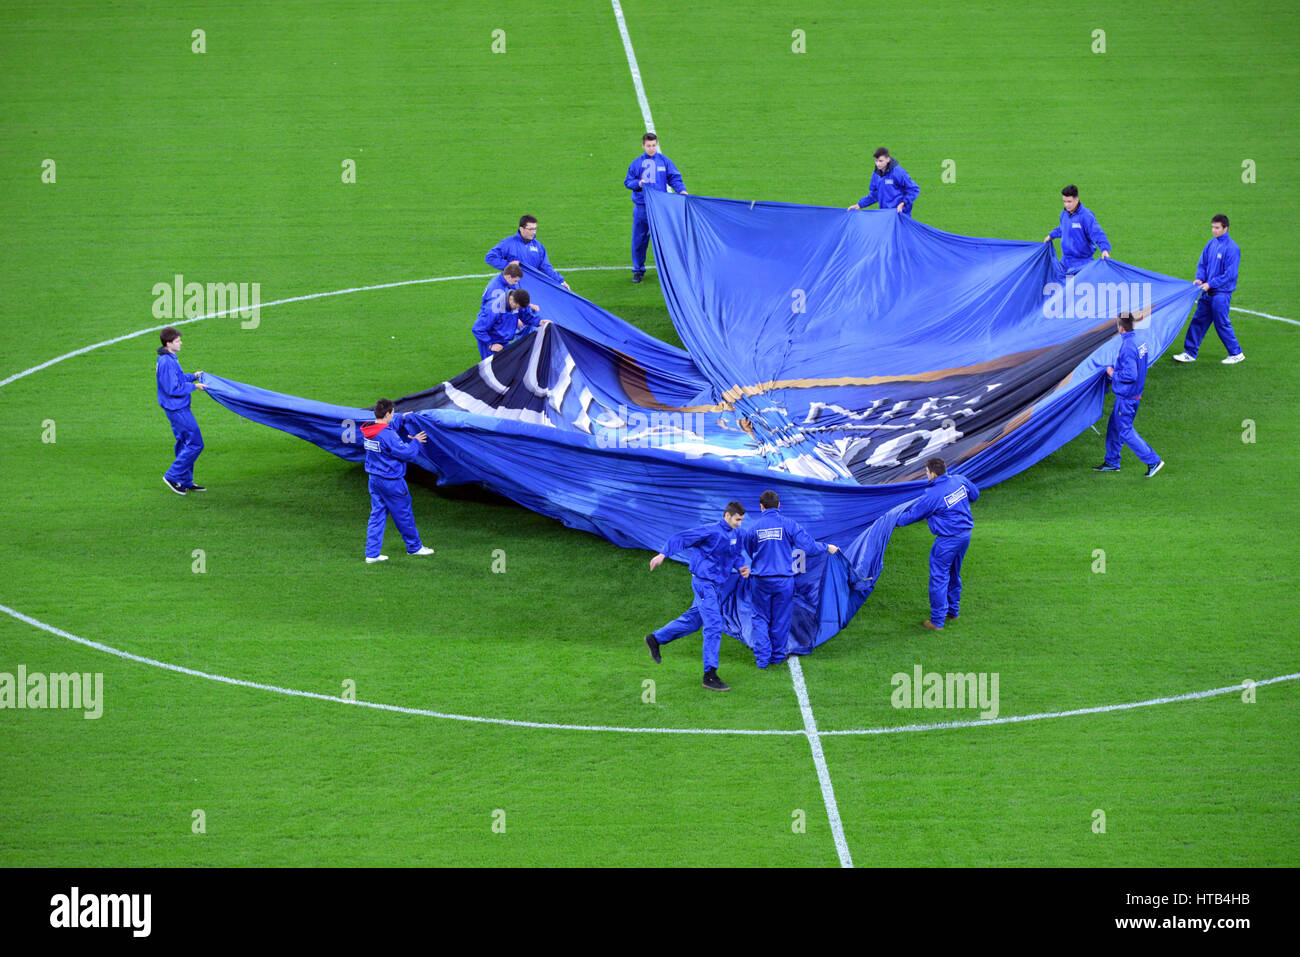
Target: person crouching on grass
386 458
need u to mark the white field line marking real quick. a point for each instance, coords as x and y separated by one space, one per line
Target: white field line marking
1266 315
276 689
278 302
1099 709
632 65
180 669
819 759
801 692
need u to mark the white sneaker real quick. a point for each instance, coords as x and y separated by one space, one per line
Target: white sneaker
380 558
1233 360
1184 357
424 550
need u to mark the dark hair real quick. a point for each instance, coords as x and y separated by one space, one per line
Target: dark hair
1125 321
520 297
937 466
167 335
513 269
525 220
1220 218
769 499
1071 190
382 408
646 138
880 152
735 508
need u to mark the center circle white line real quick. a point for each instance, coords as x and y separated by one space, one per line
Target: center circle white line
181 669
511 722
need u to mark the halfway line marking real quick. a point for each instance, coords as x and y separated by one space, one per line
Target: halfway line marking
636 70
819 759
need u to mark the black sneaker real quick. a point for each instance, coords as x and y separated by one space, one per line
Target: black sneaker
713 682
652 643
174 486
196 488
637 276
1105 468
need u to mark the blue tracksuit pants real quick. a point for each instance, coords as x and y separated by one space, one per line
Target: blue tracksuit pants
704 612
640 237
772 601
945 575
1211 308
189 443
390 497
1120 432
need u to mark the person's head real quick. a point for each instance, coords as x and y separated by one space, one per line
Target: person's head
935 467
384 410
1070 197
882 158
1125 321
650 143
171 340
734 515
1219 225
769 499
527 227
513 273
518 299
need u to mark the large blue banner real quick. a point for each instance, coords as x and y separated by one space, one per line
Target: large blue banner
828 354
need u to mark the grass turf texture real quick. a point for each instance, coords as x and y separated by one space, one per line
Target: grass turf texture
225 166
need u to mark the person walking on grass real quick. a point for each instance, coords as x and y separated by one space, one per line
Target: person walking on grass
386 458
715 555
174 388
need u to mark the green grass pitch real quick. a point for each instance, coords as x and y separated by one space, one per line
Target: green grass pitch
226 166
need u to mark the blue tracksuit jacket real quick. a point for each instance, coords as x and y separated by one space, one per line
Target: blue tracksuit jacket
771 542
946 506
515 249
174 383
1130 367
890 188
715 550
1079 232
386 453
652 172
1218 264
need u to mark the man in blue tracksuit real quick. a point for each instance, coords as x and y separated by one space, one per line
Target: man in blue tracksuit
771 542
891 187
496 330
494 306
1216 276
1128 376
386 458
174 388
946 507
523 247
652 170
715 555
1079 233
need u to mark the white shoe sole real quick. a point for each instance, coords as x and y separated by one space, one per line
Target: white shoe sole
381 558
1158 468
1233 360
424 551
1184 357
